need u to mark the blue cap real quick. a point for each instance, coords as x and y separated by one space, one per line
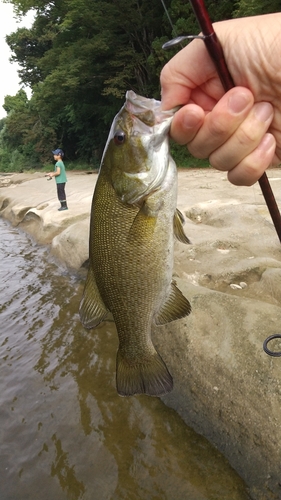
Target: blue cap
58 152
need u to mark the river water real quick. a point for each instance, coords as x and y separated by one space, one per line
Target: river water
65 433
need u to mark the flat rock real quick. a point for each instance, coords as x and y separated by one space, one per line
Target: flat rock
225 386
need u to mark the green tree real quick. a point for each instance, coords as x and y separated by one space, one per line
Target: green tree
24 132
18 102
79 58
256 7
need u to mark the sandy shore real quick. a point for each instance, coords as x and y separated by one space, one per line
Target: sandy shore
226 387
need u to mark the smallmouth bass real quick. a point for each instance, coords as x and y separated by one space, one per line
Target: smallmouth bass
133 222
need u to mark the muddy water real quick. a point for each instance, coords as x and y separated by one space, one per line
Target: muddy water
65 433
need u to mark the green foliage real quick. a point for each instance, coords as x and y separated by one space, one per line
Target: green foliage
79 58
11 161
16 103
256 7
82 166
184 159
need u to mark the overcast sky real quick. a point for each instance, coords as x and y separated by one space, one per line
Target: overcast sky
9 80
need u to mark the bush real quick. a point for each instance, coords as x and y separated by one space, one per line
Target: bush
11 162
184 159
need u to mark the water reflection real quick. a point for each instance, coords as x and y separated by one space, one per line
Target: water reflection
65 433
65 473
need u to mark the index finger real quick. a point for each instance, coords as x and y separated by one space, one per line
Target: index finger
190 68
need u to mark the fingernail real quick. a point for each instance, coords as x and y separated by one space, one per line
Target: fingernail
238 102
263 111
267 142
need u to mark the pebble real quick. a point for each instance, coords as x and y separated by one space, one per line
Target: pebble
235 287
241 285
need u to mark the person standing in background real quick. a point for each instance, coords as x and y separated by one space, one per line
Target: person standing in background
60 177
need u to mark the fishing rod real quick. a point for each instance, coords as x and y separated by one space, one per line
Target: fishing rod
214 48
215 51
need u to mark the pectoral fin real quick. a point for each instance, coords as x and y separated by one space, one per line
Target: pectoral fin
92 310
144 224
178 227
175 307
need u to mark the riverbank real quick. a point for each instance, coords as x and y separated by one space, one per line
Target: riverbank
226 387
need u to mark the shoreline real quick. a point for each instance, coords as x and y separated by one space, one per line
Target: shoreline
30 202
226 387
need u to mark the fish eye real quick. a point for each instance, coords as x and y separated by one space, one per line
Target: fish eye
119 137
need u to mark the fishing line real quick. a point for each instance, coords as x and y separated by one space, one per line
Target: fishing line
178 39
168 16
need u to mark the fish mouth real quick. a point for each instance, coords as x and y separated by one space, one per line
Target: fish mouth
146 127
148 117
138 105
151 125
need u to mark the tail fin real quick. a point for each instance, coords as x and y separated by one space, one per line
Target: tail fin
151 376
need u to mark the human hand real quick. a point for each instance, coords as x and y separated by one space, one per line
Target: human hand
239 131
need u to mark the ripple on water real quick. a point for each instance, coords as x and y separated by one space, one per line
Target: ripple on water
65 433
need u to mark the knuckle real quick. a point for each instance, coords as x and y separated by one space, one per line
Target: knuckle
218 163
249 135
219 129
196 151
251 172
253 167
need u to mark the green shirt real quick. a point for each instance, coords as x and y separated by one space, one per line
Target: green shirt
62 177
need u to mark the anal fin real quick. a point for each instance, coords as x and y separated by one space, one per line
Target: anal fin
175 307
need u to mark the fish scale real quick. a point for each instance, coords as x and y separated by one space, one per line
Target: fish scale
133 222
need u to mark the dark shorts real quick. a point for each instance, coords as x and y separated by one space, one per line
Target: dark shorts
61 191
